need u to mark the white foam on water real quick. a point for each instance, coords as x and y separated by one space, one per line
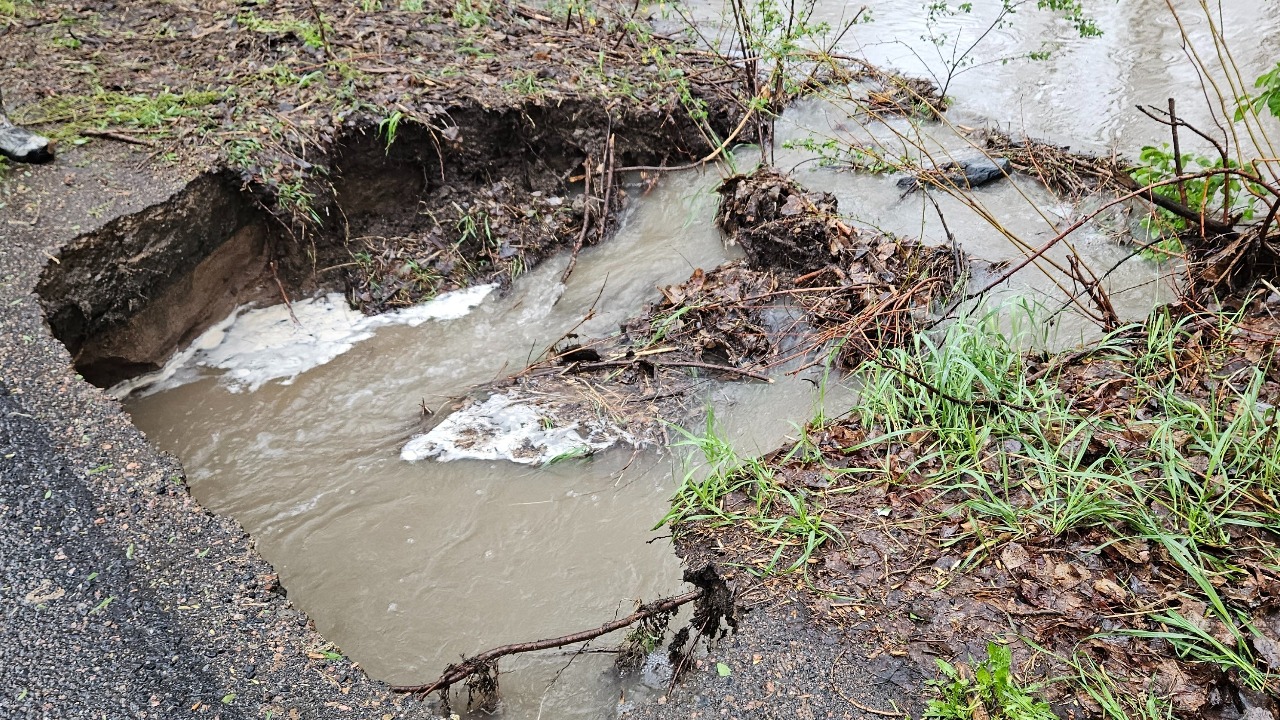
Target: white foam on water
258 345
501 428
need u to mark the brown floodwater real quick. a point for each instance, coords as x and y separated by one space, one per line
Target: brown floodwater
407 566
297 432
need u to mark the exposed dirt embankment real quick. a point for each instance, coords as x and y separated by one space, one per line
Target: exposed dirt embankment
123 297
482 198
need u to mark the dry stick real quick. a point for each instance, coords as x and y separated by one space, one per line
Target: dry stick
324 39
586 221
461 671
118 137
550 355
1144 192
678 363
283 294
1265 227
603 226
1151 112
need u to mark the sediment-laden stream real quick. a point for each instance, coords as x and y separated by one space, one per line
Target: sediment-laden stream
407 566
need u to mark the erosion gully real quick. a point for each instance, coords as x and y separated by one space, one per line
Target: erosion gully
295 429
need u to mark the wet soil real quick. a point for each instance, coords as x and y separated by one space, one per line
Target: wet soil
920 576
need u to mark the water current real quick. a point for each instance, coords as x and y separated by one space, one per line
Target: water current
296 431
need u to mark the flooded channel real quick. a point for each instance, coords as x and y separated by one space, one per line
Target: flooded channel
295 429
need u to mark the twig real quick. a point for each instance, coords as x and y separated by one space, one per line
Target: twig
603 225
283 294
324 38
678 363
586 221
1143 192
550 354
477 663
1177 151
118 137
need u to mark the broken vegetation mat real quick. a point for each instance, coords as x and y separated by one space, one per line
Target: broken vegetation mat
809 281
1109 515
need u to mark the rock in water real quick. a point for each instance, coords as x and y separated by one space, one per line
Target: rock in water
23 145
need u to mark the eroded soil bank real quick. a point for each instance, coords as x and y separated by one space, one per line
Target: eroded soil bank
128 598
375 203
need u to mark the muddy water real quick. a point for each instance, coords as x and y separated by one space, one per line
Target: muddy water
1085 92
408 566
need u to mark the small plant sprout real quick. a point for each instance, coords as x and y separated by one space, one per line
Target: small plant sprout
388 128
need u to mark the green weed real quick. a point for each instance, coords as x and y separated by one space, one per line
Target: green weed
575 453
1020 460
1193 642
990 691
389 126
1098 684
105 109
471 14
12 10
792 519
1214 195
311 34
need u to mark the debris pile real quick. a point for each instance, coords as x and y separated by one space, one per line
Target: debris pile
809 280
719 316
779 224
1065 171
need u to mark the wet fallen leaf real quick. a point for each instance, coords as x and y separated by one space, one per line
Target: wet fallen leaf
1014 556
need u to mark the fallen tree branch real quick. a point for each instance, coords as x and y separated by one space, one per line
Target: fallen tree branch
478 663
1207 225
118 137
